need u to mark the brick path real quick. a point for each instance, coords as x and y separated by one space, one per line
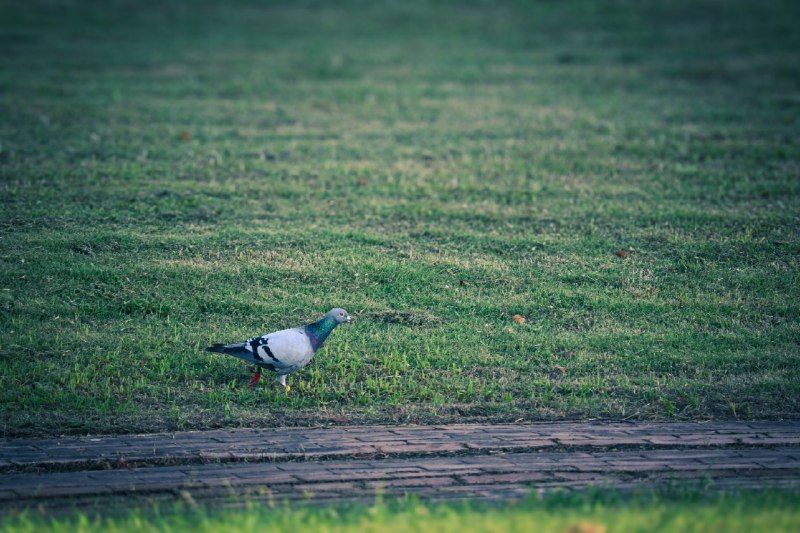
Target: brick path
356 463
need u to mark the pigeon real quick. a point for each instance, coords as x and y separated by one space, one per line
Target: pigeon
285 351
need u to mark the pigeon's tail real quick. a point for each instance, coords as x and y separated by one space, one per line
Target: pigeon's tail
236 350
221 348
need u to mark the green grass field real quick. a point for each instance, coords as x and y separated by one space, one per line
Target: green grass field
767 511
181 174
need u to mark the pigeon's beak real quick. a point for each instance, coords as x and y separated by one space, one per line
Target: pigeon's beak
349 319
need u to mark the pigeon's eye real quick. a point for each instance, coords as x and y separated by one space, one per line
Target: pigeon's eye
341 314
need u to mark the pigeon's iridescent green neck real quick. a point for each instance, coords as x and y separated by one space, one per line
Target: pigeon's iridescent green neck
319 331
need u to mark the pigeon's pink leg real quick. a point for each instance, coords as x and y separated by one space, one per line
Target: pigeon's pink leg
254 380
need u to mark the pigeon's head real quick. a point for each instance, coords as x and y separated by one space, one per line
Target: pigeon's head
340 315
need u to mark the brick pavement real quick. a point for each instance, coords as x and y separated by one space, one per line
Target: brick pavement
488 462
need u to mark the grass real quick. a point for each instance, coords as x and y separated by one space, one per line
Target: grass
765 511
181 174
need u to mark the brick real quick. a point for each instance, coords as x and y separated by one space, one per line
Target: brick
510 444
331 451
607 441
487 446
8 495
10 450
36 480
682 455
318 487
421 448
710 440
414 482
638 466
593 477
62 491
272 479
762 440
515 477
450 463
363 475
771 425
296 467
779 465
490 461
727 465
546 458
663 440
256 469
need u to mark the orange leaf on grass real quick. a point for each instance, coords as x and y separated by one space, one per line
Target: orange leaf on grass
587 527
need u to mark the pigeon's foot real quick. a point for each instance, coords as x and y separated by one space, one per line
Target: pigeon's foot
256 377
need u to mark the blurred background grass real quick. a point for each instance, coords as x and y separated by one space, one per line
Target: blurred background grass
596 512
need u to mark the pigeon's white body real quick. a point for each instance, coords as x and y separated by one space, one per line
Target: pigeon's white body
285 351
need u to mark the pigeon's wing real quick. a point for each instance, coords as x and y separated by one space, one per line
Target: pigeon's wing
242 350
286 350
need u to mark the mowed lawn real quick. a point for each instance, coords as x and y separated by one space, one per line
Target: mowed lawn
624 175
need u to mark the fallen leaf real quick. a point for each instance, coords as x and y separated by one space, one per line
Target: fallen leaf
519 319
587 527
184 135
561 369
361 182
621 253
569 355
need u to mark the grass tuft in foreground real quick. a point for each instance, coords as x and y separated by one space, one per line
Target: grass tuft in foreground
597 513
